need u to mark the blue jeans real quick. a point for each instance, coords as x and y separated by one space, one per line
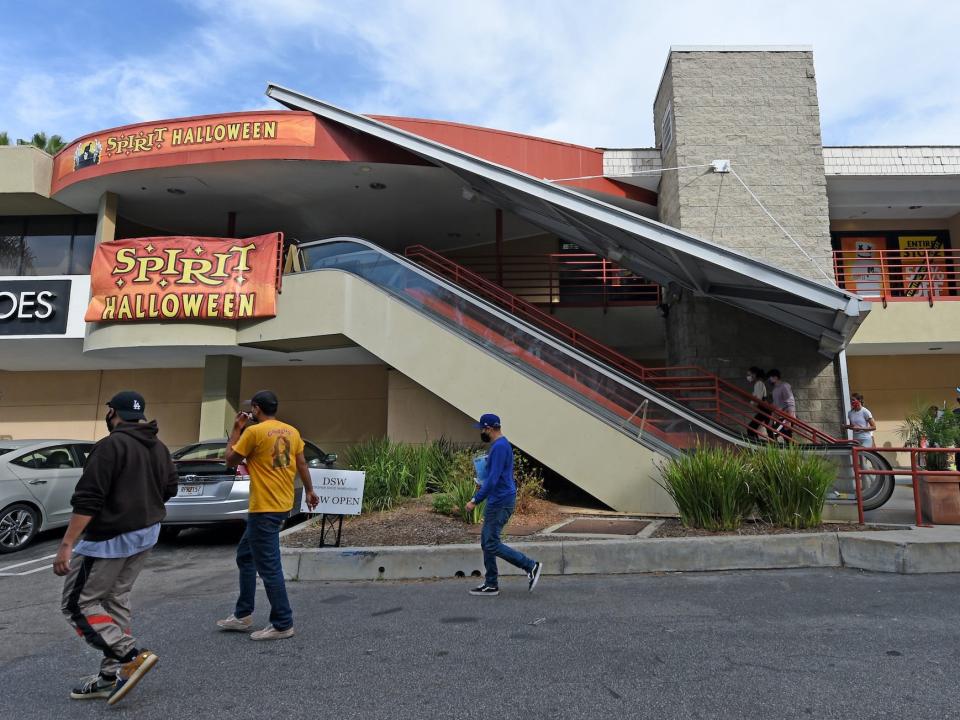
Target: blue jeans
494 518
259 552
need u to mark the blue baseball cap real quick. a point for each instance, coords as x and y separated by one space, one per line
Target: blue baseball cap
487 420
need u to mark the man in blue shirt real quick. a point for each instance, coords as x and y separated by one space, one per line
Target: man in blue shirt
500 491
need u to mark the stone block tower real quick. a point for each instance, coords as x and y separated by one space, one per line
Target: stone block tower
756 107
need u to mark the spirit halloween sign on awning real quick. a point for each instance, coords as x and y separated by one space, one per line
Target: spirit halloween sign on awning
185 278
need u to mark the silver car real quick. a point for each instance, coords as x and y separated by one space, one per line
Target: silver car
37 479
210 492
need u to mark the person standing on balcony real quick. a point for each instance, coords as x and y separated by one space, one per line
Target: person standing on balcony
861 421
784 401
755 376
500 491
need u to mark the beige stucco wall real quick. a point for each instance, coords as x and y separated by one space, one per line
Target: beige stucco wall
896 385
333 406
71 404
416 415
918 323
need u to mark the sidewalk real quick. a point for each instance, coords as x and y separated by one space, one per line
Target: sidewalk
908 551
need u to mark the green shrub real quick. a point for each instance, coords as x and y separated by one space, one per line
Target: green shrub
789 485
709 487
938 429
388 468
529 480
443 504
460 486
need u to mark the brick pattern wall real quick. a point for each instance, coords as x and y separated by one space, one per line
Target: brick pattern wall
759 110
626 161
892 160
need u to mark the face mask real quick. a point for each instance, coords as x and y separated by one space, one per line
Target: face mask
485 436
107 420
749 378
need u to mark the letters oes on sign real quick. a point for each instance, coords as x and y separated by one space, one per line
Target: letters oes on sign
340 492
29 307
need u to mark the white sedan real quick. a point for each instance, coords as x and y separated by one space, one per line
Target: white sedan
37 479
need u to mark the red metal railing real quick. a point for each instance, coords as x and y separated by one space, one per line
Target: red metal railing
692 386
900 275
564 279
916 474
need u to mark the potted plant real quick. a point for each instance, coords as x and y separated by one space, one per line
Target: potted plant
939 495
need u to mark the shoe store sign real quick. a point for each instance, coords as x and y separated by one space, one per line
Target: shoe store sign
198 279
33 306
340 492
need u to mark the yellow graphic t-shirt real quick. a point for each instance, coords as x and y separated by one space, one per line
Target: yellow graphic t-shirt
271 450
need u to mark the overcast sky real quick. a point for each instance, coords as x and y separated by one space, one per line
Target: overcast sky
575 70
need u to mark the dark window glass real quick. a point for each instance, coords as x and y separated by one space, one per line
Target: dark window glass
46 245
11 245
83 246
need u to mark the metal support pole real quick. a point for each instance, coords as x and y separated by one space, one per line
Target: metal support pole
915 478
335 523
857 481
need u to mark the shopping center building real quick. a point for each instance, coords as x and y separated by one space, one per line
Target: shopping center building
394 276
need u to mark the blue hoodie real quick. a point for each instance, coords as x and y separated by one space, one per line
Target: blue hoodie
498 488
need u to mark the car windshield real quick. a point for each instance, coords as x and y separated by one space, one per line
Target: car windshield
205 451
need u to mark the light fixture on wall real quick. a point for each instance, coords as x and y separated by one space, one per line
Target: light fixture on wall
934 349
176 191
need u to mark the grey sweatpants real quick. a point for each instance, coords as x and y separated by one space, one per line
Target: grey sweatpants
96 601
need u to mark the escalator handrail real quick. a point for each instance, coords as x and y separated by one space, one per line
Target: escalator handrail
647 393
617 359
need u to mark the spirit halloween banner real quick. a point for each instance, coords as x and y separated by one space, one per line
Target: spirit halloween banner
185 278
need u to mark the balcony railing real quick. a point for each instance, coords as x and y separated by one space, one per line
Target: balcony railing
900 275
564 279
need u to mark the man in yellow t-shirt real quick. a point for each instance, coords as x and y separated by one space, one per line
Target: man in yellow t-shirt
273 454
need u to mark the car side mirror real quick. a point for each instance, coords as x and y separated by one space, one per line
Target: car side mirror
330 459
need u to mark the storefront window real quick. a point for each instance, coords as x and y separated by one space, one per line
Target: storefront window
46 245
11 245
83 243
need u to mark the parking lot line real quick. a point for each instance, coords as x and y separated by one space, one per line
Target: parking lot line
28 562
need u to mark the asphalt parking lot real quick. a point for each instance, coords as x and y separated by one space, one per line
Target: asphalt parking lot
776 644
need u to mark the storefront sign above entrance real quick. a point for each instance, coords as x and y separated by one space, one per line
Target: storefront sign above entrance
185 278
34 307
212 133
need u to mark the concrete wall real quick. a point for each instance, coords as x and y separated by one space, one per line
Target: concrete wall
415 415
759 110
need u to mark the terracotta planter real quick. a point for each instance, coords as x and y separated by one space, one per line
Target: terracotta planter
940 500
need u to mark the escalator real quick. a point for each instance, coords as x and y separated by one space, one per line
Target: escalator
587 419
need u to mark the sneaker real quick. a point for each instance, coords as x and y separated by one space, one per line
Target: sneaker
534 575
132 673
486 590
95 686
271 633
236 624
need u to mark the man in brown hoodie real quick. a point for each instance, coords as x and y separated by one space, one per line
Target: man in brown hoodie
117 508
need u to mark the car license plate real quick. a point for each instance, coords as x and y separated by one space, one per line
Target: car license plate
190 490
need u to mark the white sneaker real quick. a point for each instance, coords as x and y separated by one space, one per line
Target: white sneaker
271 633
236 624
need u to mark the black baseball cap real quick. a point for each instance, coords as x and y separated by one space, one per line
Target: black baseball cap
129 405
267 401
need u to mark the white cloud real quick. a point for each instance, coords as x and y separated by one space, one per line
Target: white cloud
582 72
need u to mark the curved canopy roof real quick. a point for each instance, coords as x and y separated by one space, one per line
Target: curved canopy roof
671 257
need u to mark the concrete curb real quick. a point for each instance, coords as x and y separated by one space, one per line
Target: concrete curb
896 551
